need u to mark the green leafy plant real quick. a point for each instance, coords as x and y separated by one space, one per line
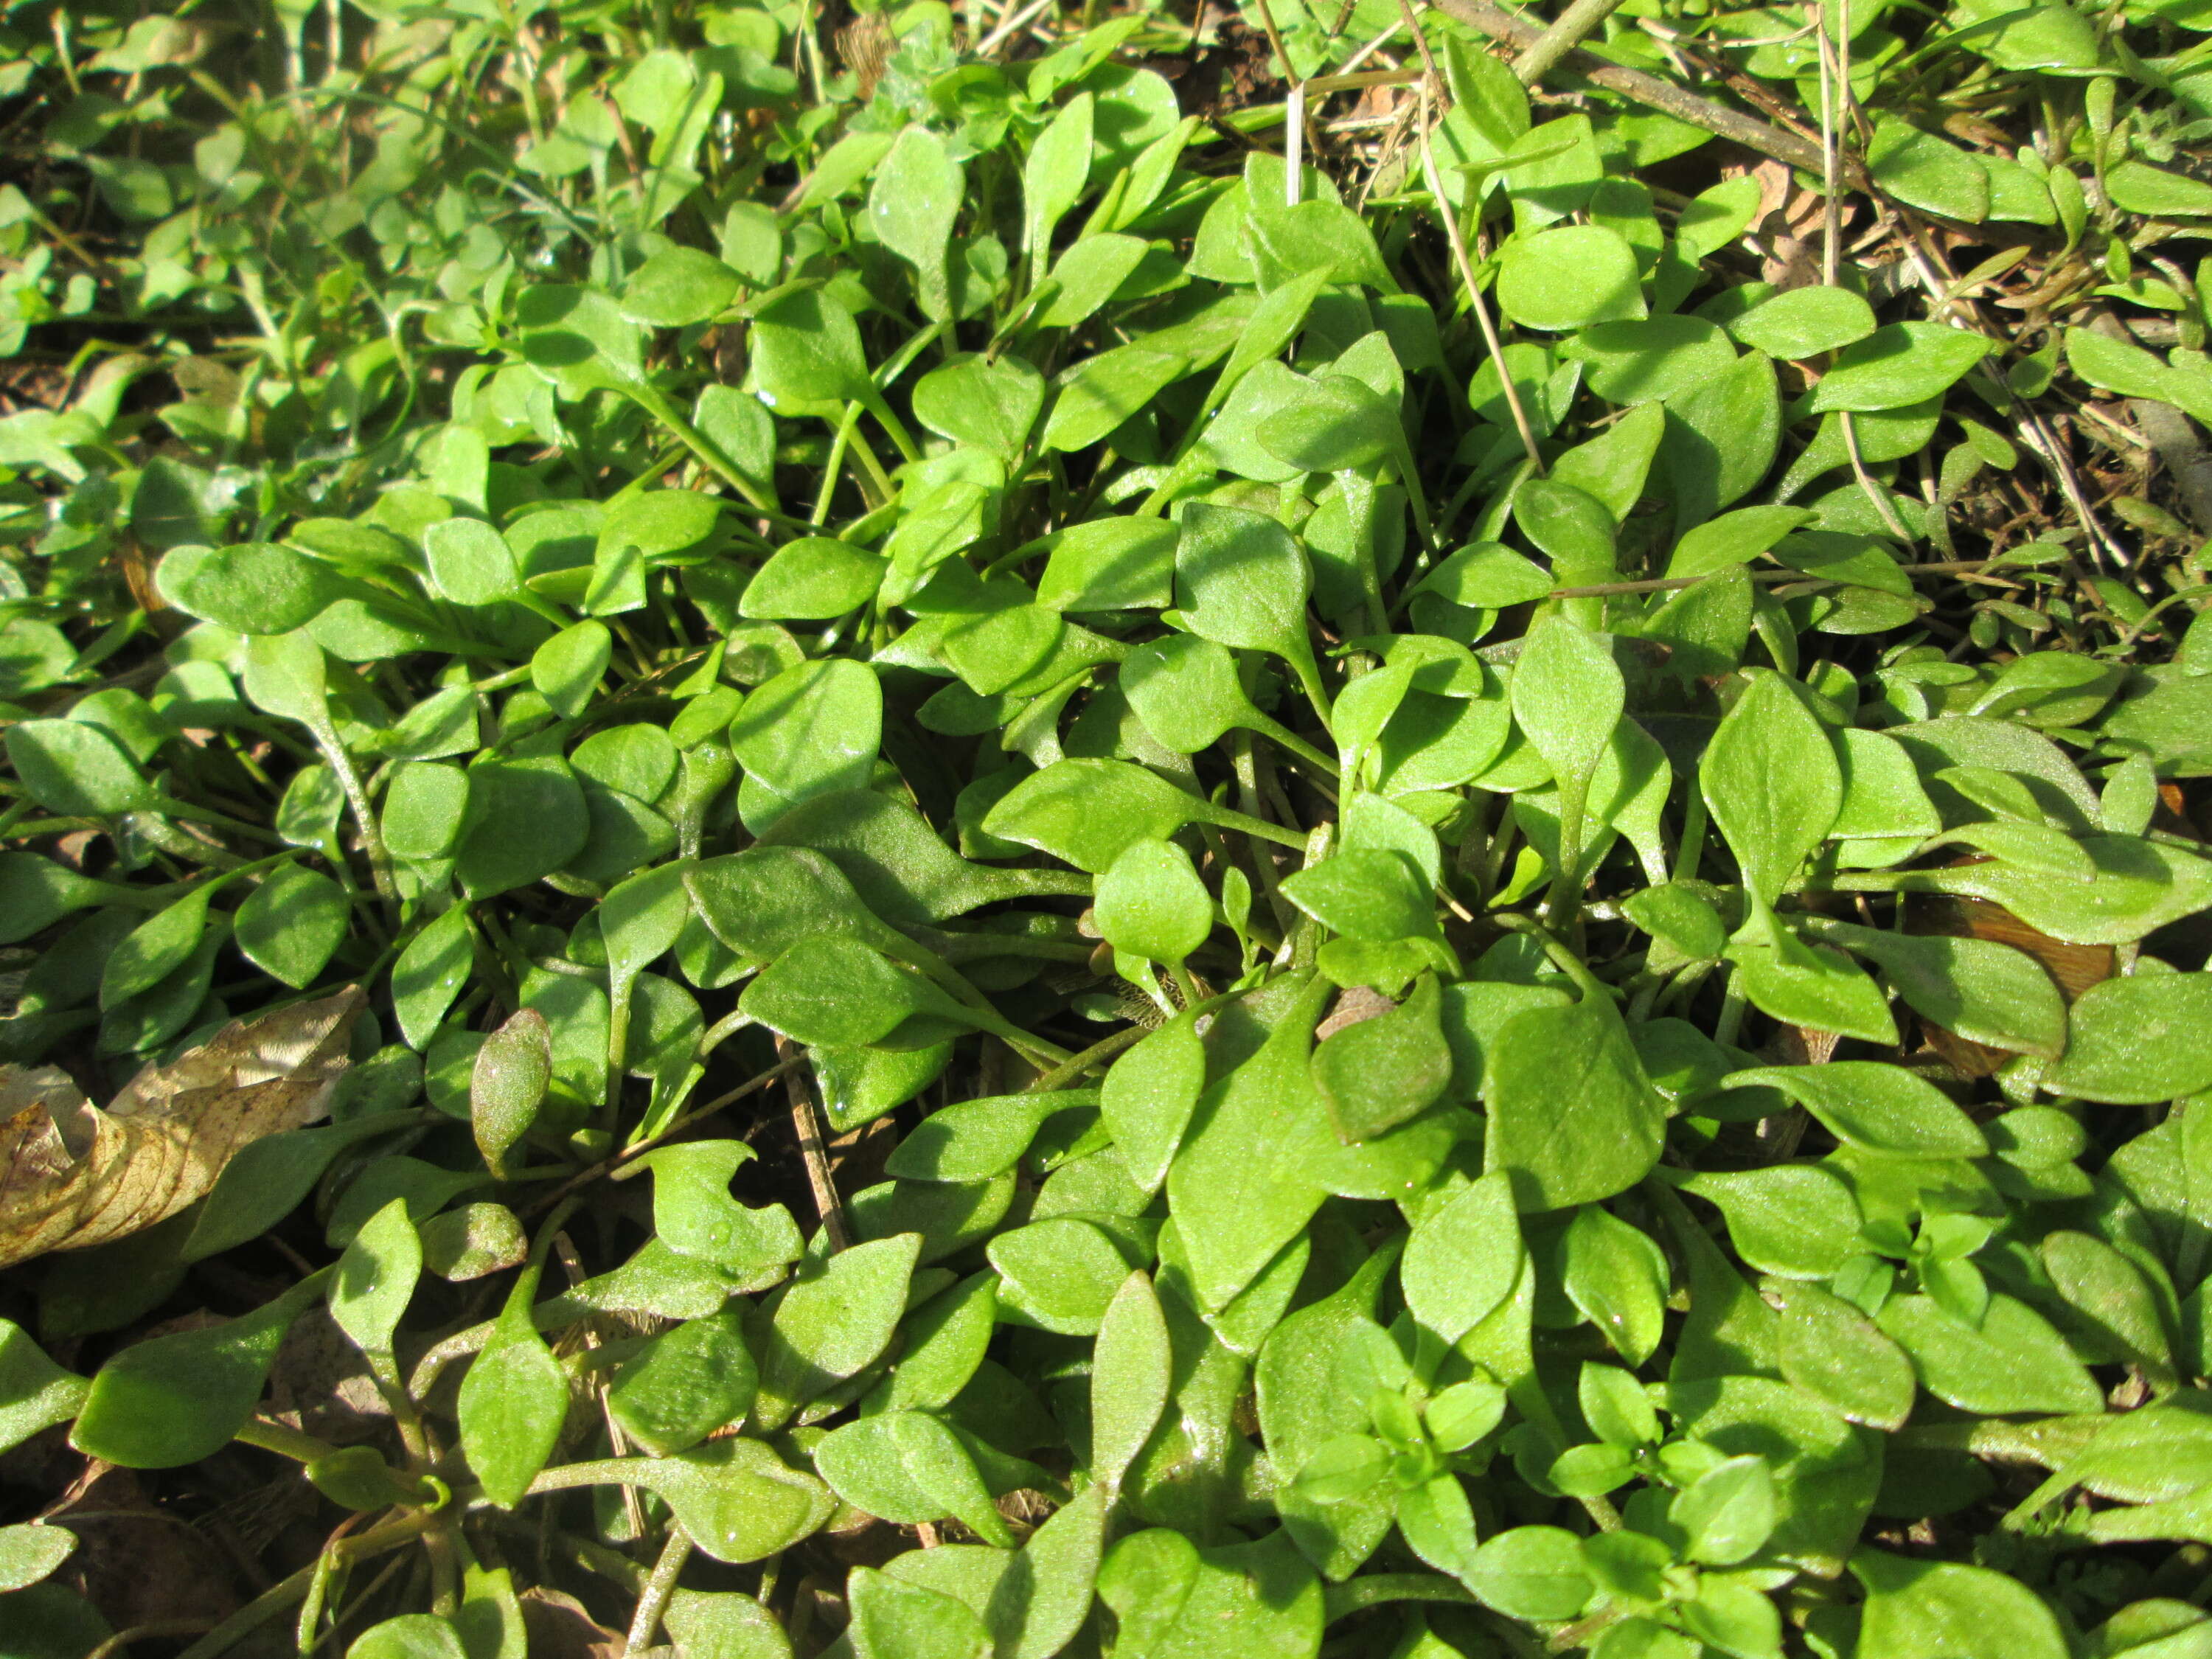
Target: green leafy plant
1368 831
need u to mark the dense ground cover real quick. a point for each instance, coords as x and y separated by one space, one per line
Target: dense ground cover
946 832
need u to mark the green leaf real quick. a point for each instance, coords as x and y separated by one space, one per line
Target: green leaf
429 973
677 286
892 1620
376 1278
833 991
2139 887
1131 1370
1804 322
1568 696
1087 812
1437 1523
291 924
1572 1117
1569 277
1898 364
35 1394
425 807
1149 1095
1985 991
410 1636
1832 1350
1721 435
945 1342
471 562
2137 1040
1651 358
566 670
1876 1108
832 1320
724 1625
1109 564
2108 1294
736 1497
684 1384
812 579
513 1402
912 207
1041 1602
1463 1259
507 1086
266 1179
1173 1600
812 728
976 1139
1728 1513
504 795
1060 1274
76 770
1922 1609
807 350
992 402
1380 1073
1369 894
1794 1220
1186 692
1618 1279
1151 904
1532 1572
2151 191
695 1216
30 1552
2014 1362
253 587
1925 172
170 1401
1244 581
1336 423
1092 397
1772 782
1052 177
1233 1211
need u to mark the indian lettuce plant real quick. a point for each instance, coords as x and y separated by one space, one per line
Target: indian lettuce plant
969 860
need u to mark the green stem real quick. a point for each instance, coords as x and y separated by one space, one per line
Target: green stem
888 419
284 1441
1091 1059
820 516
1283 737
1566 897
378 1541
654 403
1374 1590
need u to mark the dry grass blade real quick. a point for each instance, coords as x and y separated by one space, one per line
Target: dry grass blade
73 1176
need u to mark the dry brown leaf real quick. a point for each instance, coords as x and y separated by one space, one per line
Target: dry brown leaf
72 1176
561 1627
135 1561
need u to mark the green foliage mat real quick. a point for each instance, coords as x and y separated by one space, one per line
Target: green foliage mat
1484 860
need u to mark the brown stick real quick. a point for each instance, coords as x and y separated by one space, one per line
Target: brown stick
826 1201
1647 89
1578 21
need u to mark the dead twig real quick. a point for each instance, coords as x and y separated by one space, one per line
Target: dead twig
1648 89
827 1204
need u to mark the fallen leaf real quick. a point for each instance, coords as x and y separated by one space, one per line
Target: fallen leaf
561 1628
135 1561
72 1176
